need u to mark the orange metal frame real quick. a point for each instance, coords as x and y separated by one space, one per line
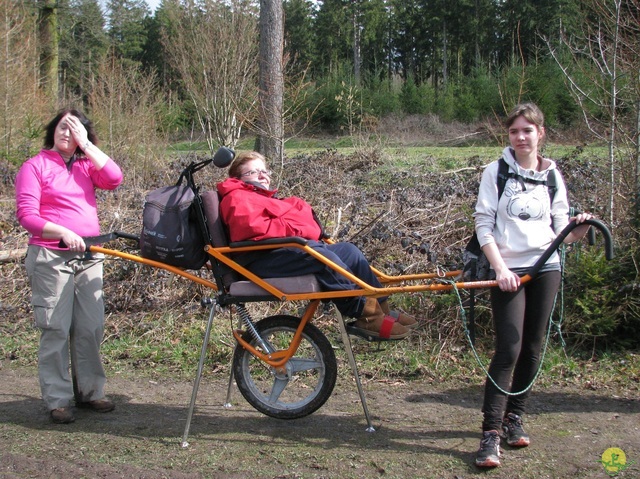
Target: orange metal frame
222 255
438 281
393 285
278 359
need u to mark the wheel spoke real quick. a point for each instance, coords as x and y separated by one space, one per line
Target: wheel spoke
304 364
278 386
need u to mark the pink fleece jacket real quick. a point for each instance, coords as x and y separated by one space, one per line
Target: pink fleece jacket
46 190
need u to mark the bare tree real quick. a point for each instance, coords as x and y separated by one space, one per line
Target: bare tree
212 45
602 72
20 116
125 106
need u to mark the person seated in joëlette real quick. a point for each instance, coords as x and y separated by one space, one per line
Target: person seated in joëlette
252 211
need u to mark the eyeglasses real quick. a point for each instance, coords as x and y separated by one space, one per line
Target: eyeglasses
256 173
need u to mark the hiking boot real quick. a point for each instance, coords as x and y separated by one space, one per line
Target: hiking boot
489 453
374 325
513 432
404 319
62 415
99 405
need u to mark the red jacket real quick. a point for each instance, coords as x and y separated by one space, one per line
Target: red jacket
253 213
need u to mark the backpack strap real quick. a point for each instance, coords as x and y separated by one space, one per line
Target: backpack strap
504 174
552 185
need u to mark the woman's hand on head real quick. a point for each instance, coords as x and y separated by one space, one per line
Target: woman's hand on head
78 131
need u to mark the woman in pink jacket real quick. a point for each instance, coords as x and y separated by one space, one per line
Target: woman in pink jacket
252 211
56 204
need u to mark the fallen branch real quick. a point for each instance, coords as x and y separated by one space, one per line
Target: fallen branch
464 137
466 168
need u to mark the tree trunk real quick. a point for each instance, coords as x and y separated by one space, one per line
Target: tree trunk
357 55
270 140
48 38
445 55
637 154
613 117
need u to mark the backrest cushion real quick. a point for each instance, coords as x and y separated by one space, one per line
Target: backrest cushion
217 231
211 204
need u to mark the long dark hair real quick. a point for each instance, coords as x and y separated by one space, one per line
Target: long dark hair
50 129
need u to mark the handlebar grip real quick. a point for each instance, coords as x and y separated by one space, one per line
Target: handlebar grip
95 240
608 240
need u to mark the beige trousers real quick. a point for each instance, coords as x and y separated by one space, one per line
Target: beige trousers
69 311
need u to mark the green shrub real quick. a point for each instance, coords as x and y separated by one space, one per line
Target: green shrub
482 85
416 99
547 85
602 300
409 98
336 102
444 105
380 98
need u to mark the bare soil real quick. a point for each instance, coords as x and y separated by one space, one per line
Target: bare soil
423 430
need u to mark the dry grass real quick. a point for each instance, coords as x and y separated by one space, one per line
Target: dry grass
413 217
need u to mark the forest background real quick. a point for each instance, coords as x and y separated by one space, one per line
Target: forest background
168 87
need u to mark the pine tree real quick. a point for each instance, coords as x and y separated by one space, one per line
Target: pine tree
299 35
83 46
127 28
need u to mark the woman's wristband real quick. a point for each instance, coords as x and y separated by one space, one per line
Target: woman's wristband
86 145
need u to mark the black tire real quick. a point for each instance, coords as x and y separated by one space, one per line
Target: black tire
309 378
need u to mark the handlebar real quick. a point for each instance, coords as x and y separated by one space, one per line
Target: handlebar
222 158
533 271
96 240
608 243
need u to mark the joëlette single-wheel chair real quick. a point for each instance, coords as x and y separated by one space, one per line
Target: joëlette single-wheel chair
284 366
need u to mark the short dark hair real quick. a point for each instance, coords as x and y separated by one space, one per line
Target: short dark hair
50 129
241 159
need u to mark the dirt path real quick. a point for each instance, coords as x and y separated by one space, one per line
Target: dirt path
423 431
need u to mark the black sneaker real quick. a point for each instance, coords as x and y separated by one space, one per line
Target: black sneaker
489 453
513 432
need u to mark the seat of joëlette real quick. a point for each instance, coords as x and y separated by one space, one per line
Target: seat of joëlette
238 287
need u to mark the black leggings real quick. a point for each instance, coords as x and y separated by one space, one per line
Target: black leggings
520 321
